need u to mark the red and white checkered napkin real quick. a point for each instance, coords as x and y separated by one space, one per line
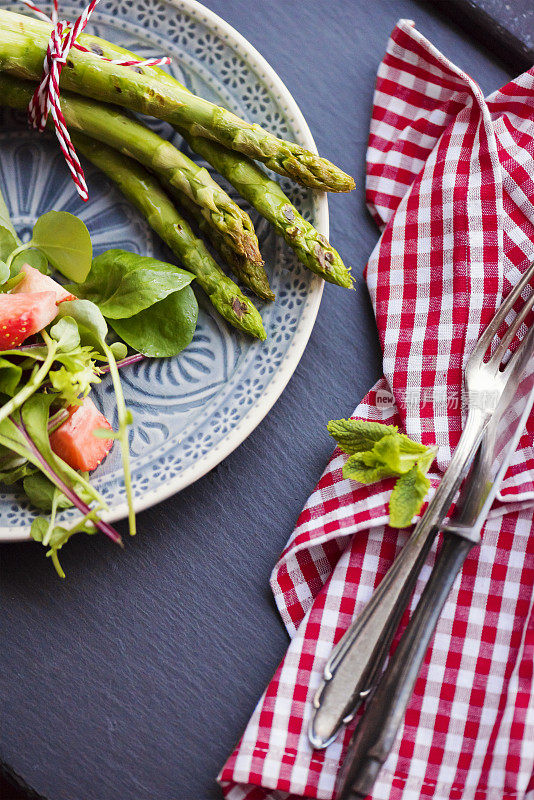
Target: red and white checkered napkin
450 181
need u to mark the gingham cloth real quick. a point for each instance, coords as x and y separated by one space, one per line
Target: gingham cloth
450 184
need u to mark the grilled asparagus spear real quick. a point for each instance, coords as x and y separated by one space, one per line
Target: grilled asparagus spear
143 190
22 50
251 274
231 226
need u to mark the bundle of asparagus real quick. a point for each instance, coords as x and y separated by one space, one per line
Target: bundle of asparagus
148 168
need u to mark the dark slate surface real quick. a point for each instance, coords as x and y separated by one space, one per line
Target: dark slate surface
134 677
508 27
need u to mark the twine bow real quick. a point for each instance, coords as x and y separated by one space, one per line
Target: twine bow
45 99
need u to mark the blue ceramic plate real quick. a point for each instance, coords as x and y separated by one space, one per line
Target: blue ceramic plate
193 410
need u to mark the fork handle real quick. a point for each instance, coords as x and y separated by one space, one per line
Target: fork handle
377 729
356 662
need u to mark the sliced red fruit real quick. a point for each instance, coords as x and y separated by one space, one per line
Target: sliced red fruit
74 442
22 315
35 281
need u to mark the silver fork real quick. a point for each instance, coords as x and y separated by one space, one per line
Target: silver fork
356 662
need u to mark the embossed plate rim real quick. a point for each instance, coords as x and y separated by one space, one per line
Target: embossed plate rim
285 370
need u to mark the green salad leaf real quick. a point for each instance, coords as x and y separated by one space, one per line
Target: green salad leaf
379 451
65 241
34 415
26 434
34 382
93 330
151 307
164 329
119 350
65 332
5 220
13 467
42 493
4 272
9 240
122 284
10 284
74 367
25 255
148 303
54 536
66 363
74 379
35 258
58 237
10 375
91 324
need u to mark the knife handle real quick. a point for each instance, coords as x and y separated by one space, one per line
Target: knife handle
377 729
358 659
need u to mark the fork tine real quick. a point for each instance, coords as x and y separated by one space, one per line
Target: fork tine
502 312
524 352
508 336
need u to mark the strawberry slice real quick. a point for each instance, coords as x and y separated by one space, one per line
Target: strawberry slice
35 281
74 442
22 315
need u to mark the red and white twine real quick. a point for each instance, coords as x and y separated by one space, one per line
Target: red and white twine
45 100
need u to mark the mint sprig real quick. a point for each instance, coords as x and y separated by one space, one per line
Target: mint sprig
379 451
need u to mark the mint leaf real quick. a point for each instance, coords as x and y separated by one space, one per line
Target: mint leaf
425 461
358 435
385 458
407 497
357 469
379 451
65 241
410 447
387 451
